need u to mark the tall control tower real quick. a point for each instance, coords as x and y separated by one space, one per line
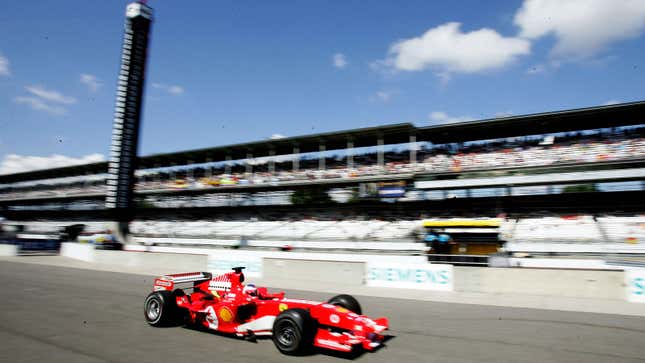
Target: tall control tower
127 113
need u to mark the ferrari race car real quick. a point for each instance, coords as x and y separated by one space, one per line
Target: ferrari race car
224 304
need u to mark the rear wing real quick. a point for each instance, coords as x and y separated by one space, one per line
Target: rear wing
168 282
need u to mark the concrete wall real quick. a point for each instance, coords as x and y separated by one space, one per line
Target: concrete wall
313 273
80 251
345 274
158 263
7 250
547 282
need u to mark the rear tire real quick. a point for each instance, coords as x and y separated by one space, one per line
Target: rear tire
348 302
293 332
160 308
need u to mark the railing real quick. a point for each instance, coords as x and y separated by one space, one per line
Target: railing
462 260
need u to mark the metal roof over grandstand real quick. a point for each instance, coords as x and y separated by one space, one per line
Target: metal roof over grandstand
625 114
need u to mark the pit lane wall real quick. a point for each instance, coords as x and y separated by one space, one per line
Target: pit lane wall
360 272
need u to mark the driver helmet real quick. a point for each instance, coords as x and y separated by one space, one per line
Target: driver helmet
250 289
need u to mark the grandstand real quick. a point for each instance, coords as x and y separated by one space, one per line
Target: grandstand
560 184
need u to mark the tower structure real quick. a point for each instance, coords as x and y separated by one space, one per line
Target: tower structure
127 113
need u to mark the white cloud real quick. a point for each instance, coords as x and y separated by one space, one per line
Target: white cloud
536 69
90 80
171 89
277 137
502 114
37 104
48 95
4 66
581 27
339 60
13 163
611 102
443 118
175 90
382 96
447 49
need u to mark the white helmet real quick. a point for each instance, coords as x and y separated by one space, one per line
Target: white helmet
250 289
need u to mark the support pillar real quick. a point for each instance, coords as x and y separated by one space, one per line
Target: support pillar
190 171
249 166
350 154
209 168
321 158
296 158
413 149
227 165
379 152
272 161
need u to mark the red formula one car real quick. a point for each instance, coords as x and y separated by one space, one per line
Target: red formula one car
223 303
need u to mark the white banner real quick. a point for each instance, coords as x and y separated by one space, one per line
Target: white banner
635 282
410 276
219 264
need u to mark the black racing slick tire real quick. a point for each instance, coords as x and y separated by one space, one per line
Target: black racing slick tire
293 331
160 308
348 302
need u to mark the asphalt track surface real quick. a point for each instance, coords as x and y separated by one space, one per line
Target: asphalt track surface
56 314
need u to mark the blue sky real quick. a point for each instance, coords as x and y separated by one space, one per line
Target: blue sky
223 72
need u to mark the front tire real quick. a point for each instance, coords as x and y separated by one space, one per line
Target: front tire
160 308
293 331
348 302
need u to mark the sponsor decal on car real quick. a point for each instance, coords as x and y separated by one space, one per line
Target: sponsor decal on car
226 314
219 285
282 307
331 343
334 318
211 318
300 301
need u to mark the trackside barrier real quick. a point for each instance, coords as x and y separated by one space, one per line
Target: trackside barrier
344 271
416 276
256 261
25 242
635 282
79 251
562 263
7 250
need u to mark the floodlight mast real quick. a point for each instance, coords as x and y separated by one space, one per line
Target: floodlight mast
127 112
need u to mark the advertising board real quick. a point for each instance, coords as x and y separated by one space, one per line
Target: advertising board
410 276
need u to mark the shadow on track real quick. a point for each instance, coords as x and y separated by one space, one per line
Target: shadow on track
354 354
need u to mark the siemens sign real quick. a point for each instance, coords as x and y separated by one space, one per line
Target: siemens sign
635 282
417 276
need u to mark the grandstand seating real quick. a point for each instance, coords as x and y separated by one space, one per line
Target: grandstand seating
623 229
347 230
394 237
557 229
47 227
441 158
560 235
575 235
